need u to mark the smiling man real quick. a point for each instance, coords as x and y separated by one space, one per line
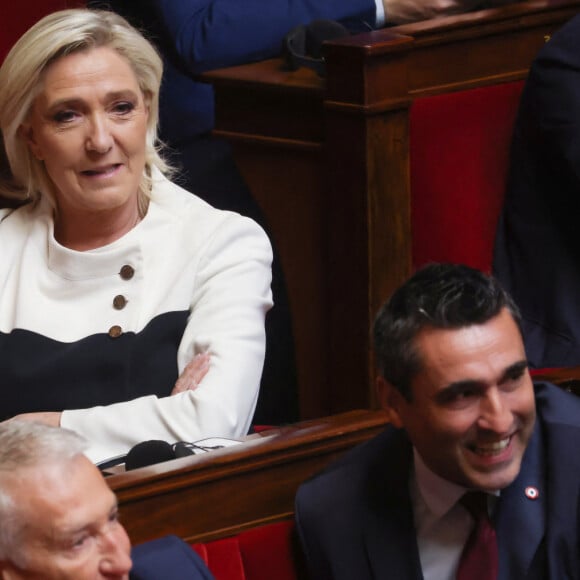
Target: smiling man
468 427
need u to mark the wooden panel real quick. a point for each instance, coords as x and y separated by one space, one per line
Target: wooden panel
221 493
295 223
340 149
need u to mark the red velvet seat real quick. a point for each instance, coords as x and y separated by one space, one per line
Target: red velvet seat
459 156
263 553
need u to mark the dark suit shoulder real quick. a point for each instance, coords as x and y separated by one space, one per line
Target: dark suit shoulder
559 418
168 558
378 466
564 43
361 503
555 406
558 414
373 454
552 79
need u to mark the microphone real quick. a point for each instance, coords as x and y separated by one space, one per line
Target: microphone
303 44
156 451
183 449
148 453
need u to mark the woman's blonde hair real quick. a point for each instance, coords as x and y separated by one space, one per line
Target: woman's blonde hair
21 76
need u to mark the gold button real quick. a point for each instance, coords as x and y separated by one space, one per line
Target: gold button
127 272
119 302
115 331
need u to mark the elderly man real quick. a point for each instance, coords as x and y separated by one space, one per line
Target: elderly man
59 519
478 475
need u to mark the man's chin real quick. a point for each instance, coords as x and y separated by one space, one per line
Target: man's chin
494 480
492 472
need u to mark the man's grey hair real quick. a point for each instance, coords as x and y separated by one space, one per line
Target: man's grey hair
24 445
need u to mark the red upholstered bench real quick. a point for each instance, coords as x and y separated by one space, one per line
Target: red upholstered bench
459 157
264 553
17 18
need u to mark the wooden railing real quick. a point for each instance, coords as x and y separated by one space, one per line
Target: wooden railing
223 492
567 378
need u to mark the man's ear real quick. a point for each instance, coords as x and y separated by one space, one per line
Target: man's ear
26 132
390 400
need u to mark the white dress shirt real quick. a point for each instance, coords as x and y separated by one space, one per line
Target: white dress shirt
442 524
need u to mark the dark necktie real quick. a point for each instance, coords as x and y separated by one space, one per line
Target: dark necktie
479 559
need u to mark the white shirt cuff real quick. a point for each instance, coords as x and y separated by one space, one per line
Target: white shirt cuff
380 18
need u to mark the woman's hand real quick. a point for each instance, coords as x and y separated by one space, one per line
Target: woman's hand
192 374
51 418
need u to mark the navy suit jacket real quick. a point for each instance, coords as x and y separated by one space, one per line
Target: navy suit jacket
168 558
537 251
355 520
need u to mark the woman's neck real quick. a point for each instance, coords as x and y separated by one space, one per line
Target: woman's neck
83 231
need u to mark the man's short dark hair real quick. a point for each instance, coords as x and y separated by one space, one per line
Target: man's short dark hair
438 296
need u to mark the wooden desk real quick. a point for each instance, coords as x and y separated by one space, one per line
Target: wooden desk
328 161
221 493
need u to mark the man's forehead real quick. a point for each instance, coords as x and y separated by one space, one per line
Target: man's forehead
490 347
62 497
71 479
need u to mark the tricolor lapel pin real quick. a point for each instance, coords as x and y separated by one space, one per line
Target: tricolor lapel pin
532 492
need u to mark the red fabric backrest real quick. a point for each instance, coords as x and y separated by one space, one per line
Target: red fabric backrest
18 17
459 154
263 553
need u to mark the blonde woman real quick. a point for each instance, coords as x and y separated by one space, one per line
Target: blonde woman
130 309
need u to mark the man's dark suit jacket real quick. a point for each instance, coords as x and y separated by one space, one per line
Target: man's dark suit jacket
537 252
168 558
355 519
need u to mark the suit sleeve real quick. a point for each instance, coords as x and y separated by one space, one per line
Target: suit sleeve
208 34
168 558
553 93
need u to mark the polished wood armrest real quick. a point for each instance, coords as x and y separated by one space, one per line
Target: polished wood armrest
221 493
566 377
